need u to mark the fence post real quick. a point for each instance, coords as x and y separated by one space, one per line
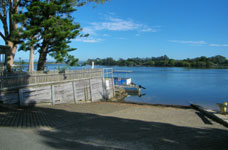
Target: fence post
113 84
105 91
86 95
90 89
74 92
52 94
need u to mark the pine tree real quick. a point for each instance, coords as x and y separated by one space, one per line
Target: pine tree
49 27
7 9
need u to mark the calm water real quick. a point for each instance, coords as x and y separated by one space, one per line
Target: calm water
168 85
180 86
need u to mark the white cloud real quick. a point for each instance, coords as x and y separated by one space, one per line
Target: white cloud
118 24
121 38
88 30
115 24
105 35
218 45
188 42
86 40
150 29
198 43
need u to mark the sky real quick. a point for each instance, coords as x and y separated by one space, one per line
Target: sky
149 28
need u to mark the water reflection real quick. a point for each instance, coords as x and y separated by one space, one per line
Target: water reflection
141 95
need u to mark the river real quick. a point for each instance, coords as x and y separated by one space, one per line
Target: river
180 86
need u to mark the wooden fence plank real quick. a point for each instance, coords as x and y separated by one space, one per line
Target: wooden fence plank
96 89
63 93
35 95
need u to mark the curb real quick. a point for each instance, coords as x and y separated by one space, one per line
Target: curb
158 105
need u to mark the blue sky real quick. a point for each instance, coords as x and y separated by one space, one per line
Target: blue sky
177 28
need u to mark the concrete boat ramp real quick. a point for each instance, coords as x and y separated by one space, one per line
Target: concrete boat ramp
215 115
109 125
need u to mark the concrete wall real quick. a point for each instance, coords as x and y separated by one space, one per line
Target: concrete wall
88 90
73 91
9 96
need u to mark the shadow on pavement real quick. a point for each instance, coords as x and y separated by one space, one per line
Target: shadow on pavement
73 130
204 118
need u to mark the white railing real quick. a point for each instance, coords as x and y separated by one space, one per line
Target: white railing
108 72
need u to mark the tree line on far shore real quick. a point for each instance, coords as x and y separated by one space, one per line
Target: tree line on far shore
164 61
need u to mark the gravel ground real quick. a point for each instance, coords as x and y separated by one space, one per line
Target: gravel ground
108 125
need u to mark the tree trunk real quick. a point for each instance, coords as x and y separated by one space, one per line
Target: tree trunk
42 61
42 57
31 59
8 29
10 55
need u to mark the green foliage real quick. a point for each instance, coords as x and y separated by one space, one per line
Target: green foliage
164 61
62 69
49 27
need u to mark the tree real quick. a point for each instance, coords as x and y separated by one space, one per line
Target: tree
218 59
49 28
171 62
7 9
121 62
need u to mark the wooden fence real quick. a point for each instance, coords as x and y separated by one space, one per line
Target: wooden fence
22 79
55 88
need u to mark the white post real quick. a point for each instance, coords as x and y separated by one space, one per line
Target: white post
92 64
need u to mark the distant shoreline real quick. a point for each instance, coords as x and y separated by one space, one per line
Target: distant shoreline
212 67
215 62
164 61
